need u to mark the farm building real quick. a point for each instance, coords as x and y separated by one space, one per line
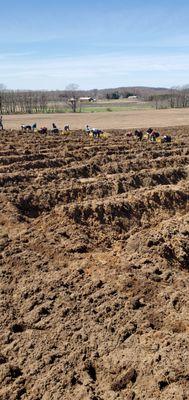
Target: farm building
132 97
87 99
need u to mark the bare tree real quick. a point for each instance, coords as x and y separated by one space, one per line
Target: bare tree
72 87
73 97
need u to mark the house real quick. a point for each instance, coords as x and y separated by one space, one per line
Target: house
132 98
86 99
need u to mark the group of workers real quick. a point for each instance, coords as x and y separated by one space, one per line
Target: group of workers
95 132
150 134
33 128
43 129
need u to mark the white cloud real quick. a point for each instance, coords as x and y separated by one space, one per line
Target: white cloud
94 70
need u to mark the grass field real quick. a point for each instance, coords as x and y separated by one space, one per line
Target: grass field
102 106
106 120
119 107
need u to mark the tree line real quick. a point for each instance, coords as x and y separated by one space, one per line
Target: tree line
29 102
15 102
174 99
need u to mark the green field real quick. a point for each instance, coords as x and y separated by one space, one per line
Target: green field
110 108
101 106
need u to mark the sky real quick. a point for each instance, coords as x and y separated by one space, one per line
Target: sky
96 44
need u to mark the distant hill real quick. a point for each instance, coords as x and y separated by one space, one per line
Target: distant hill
124 91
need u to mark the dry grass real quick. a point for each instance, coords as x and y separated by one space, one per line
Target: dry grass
106 120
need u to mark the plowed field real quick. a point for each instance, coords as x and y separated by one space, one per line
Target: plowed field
94 260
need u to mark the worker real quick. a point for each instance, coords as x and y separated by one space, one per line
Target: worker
26 128
43 130
167 139
1 122
66 128
55 129
138 134
154 135
96 132
87 129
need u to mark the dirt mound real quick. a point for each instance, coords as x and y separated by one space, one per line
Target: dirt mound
94 267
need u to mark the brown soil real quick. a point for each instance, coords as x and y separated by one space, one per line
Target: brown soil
104 120
94 268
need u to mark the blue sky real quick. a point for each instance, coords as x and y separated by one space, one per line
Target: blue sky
107 43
